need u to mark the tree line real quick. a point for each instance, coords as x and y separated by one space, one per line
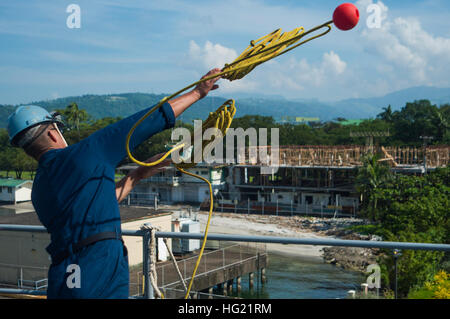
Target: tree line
408 208
405 126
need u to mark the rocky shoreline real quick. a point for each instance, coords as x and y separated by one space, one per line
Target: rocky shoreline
349 258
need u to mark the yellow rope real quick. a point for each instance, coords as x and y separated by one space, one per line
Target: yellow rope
268 47
205 236
264 49
220 120
259 51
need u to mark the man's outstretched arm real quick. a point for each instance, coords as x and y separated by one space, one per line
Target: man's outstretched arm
110 141
126 184
181 103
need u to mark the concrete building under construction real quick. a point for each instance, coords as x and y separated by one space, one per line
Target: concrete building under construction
316 180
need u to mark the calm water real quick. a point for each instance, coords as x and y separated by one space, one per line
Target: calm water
301 278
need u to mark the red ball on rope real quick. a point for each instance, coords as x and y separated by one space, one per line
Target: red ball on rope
346 16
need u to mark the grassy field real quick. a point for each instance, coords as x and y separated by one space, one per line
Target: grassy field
27 175
12 174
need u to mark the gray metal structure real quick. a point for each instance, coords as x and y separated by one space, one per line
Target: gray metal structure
145 234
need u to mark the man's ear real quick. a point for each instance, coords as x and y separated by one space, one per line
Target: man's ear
53 135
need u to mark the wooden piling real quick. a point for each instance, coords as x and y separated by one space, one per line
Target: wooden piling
230 287
210 292
365 288
238 284
250 281
225 288
263 276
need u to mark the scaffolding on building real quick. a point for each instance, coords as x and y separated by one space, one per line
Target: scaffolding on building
347 155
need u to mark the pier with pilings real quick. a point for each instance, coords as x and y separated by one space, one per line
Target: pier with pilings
219 275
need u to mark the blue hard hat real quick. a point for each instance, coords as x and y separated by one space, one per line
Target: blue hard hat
27 116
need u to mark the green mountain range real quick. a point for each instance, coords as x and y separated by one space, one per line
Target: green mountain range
124 104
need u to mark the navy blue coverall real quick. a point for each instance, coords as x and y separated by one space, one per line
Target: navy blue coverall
74 197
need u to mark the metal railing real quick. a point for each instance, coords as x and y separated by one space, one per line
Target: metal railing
172 180
29 272
219 258
281 209
36 284
145 234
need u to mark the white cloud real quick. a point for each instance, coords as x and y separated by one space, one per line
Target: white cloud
211 55
409 51
333 63
216 55
299 75
289 75
282 75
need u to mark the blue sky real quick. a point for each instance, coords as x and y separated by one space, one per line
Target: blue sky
161 46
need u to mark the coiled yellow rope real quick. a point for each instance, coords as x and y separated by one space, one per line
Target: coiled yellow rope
219 120
259 51
269 47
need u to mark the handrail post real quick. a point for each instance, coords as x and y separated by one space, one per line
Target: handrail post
397 253
148 289
163 279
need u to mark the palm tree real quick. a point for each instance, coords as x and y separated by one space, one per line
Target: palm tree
370 177
74 116
387 114
441 123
